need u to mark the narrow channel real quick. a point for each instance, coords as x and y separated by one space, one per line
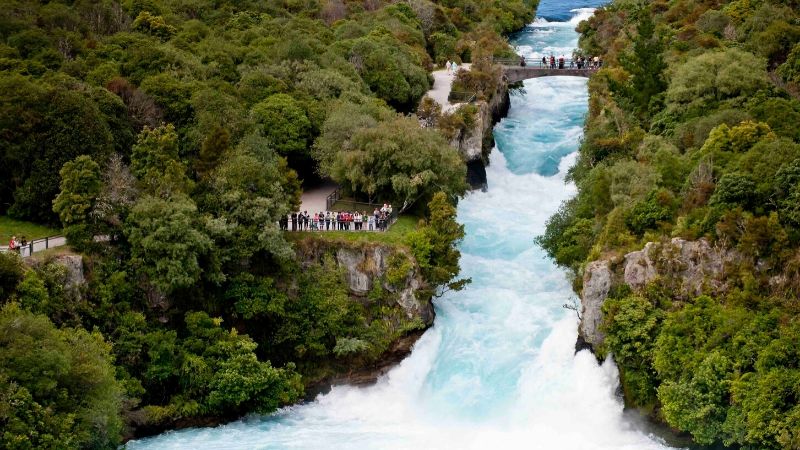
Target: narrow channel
497 370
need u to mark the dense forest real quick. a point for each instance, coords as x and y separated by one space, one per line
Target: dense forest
166 138
693 132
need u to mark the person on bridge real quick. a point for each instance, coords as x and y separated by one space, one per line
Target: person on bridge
522 61
552 62
544 61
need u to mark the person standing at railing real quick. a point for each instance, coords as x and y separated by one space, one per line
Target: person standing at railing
544 62
13 245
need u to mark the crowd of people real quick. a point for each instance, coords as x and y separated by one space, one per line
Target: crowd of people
379 220
581 62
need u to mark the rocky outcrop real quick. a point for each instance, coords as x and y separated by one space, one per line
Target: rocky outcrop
476 143
73 264
694 266
367 264
597 280
688 268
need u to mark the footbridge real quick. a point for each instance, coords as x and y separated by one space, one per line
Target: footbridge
517 70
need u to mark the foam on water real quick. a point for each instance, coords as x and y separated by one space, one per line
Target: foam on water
497 369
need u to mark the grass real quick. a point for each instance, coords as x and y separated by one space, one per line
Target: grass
11 227
344 204
395 235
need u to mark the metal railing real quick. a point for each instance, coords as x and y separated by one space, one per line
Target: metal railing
37 245
333 198
333 225
536 63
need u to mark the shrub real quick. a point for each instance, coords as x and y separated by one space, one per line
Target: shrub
656 208
735 189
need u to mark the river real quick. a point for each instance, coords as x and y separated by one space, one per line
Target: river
497 370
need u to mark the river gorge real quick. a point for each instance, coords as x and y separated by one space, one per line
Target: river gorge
498 368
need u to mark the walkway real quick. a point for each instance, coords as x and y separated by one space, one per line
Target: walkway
314 199
442 84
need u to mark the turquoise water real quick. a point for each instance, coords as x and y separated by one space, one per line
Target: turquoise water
497 369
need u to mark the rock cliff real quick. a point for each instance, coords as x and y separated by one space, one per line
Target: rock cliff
476 143
367 264
689 268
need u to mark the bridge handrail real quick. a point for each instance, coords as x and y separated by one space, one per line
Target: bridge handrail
537 63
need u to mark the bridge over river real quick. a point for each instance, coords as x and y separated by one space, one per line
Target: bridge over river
515 71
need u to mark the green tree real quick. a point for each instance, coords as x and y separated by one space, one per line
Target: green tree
705 80
80 189
698 404
251 195
57 386
735 189
11 271
435 245
43 127
400 162
155 162
658 207
152 24
284 123
167 242
790 70
646 65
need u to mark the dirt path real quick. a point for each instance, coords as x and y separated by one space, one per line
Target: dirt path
314 199
442 83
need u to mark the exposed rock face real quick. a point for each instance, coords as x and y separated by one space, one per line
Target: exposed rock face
74 265
596 284
366 264
690 267
695 265
475 144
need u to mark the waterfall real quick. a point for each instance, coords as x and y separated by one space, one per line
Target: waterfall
497 369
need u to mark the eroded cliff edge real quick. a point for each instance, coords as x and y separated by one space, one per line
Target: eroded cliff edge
384 278
688 267
476 142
